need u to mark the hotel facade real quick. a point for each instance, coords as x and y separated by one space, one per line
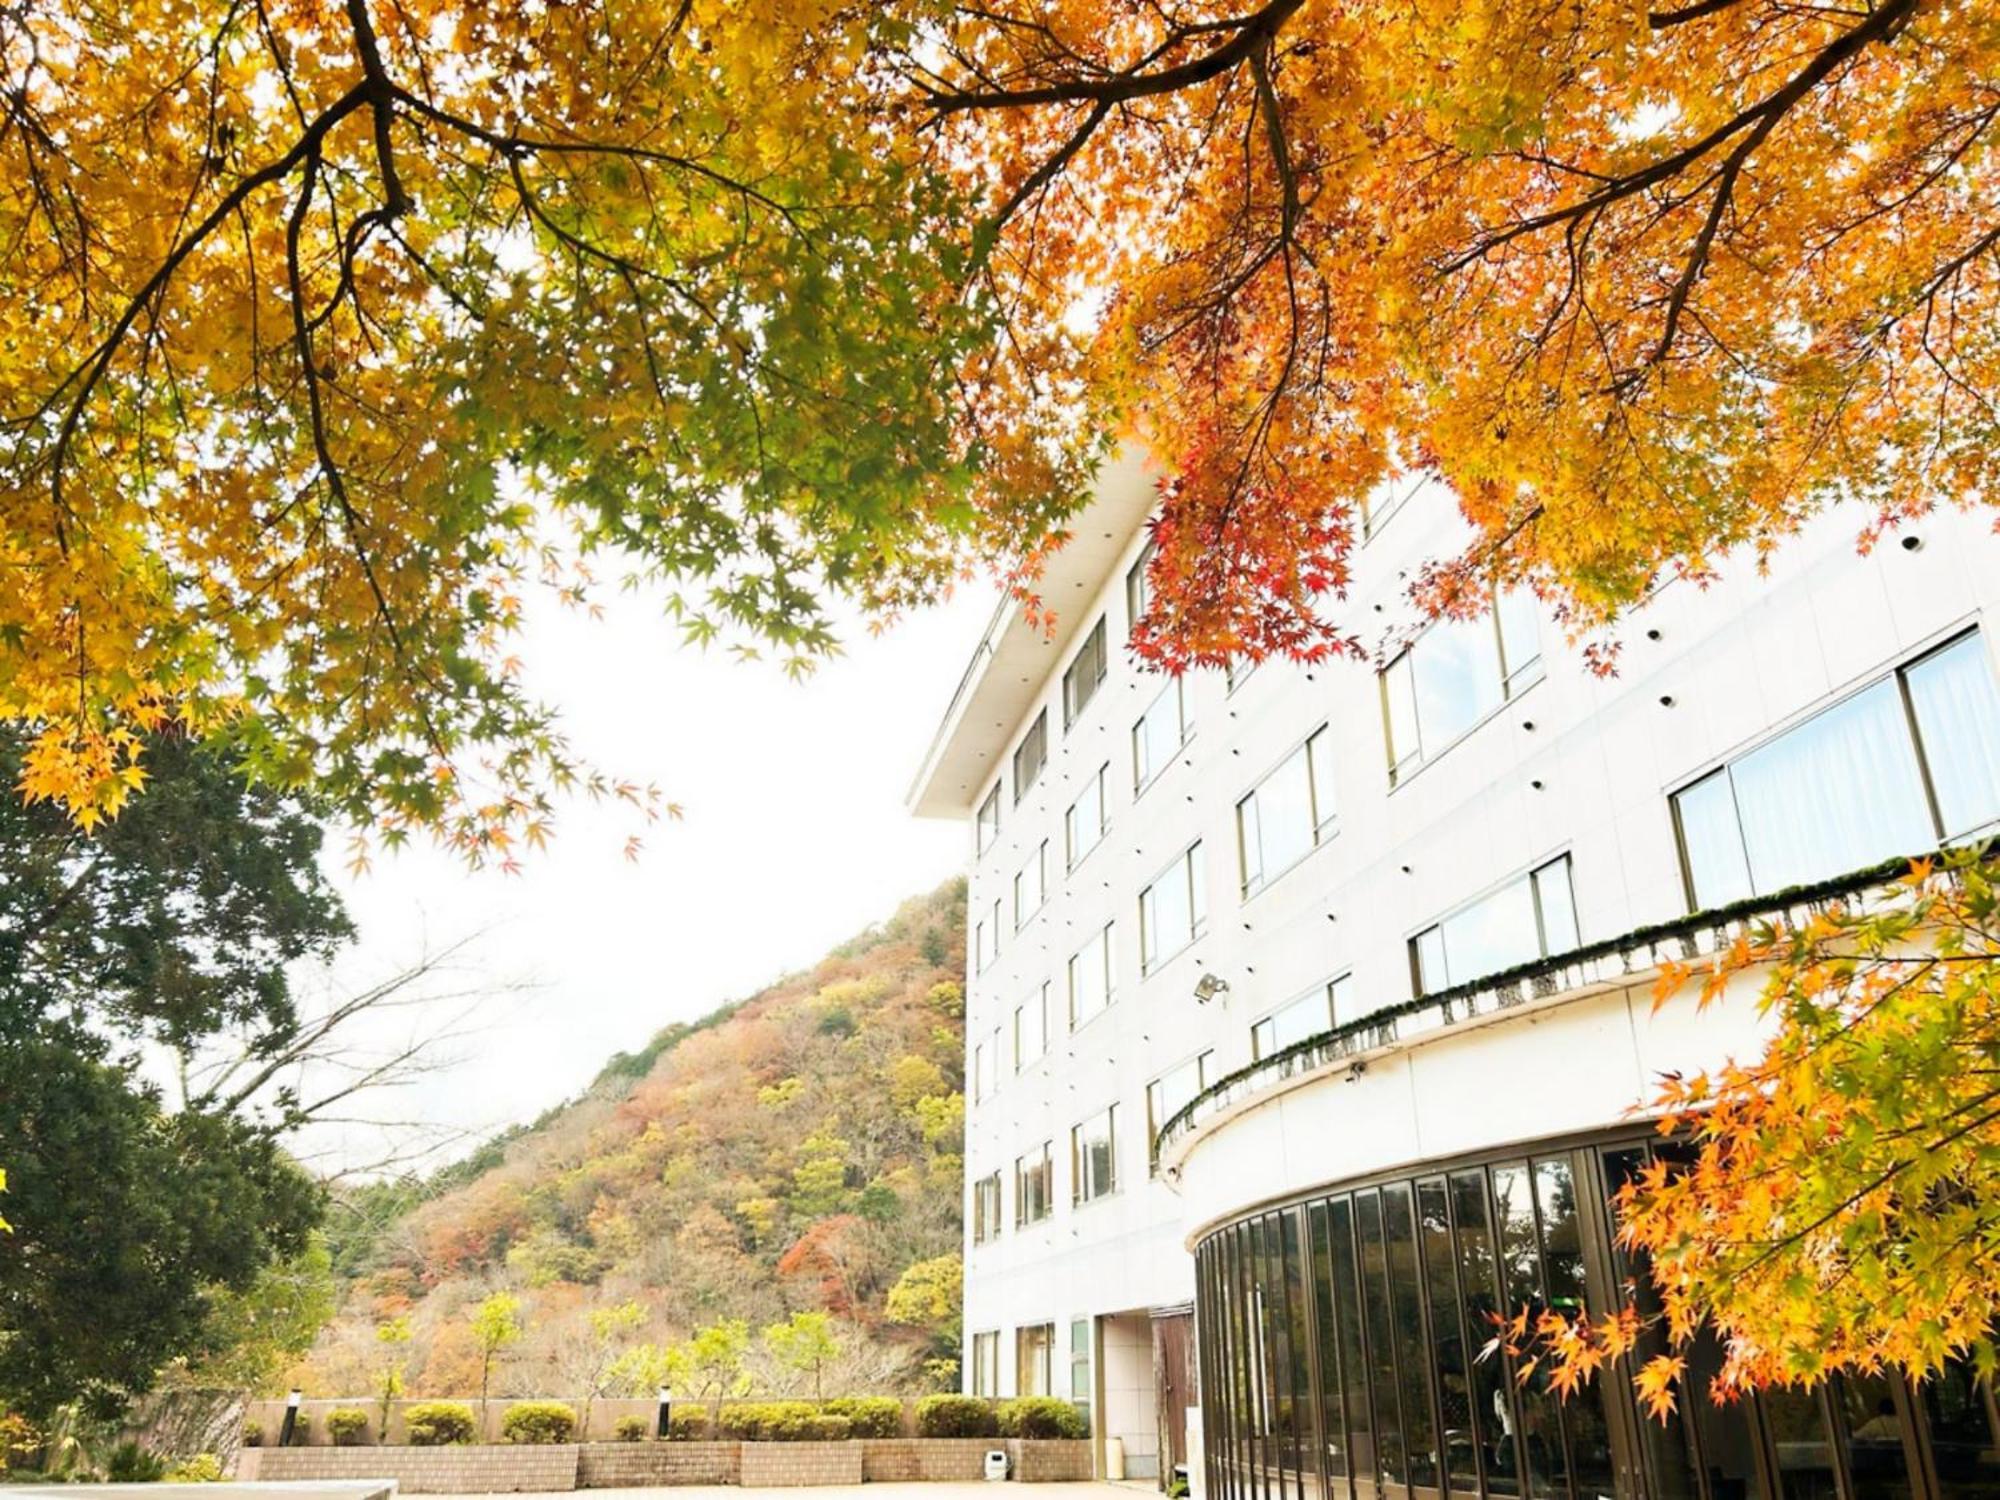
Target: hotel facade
1309 1014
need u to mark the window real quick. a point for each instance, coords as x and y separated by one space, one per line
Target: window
1093 1156
1316 1011
1079 1361
1525 919
1090 978
1287 815
1034 1359
1382 503
1239 670
1923 742
983 946
988 826
1173 910
986 1208
1084 823
1034 1186
1031 755
1159 735
1031 1028
1139 588
1085 675
1453 676
1169 1094
1031 885
986 1067
986 1363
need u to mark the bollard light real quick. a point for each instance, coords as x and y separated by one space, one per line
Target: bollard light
666 1396
291 1422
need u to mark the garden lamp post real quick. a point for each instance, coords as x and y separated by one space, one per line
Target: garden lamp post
666 1396
291 1422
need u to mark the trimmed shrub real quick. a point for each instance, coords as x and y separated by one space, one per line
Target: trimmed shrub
632 1429
302 1430
782 1422
1039 1417
203 1468
437 1424
131 1464
868 1416
956 1416
687 1424
253 1434
347 1426
538 1422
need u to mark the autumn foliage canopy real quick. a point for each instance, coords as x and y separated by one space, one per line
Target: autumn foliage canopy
328 331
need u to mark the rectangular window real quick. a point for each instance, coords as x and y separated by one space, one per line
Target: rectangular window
1090 978
1287 815
1085 675
1031 1028
1173 910
1907 762
1034 1186
982 946
988 827
1378 506
1318 1010
1034 1359
1079 1361
1084 823
1031 755
986 1067
1239 670
1454 675
986 1208
1093 1156
1159 735
1172 1092
1031 885
986 1363
1139 588
1526 919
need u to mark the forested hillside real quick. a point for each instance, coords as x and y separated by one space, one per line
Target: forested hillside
795 1151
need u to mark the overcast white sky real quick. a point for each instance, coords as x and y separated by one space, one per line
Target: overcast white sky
794 837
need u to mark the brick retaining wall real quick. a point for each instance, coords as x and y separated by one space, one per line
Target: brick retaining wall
424 1471
606 1466
772 1464
904 1460
1051 1460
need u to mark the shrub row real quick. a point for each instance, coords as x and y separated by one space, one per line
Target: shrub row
782 1422
1023 1417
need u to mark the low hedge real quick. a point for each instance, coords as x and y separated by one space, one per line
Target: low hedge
956 1417
687 1424
868 1416
631 1429
783 1422
438 1424
1039 1417
538 1422
347 1426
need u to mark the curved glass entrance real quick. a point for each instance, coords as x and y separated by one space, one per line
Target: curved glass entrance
1346 1353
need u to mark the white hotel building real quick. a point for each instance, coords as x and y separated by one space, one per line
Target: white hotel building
1313 1008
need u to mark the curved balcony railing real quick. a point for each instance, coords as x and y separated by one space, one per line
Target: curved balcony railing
1589 969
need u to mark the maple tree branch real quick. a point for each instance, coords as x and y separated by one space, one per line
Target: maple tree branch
1665 20
1139 81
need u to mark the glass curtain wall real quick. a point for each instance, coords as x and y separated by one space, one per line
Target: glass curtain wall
1347 1352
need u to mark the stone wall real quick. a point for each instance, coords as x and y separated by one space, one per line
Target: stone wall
773 1464
903 1460
423 1471
497 1468
1051 1460
639 1465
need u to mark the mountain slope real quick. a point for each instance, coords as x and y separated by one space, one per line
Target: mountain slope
795 1150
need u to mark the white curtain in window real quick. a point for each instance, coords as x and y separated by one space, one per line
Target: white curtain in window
1714 842
1958 715
1840 792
